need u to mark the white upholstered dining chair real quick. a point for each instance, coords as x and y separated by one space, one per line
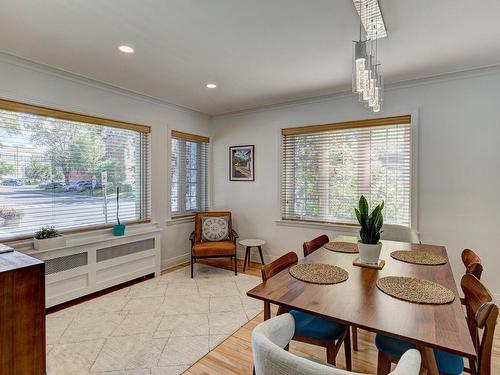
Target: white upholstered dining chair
394 232
270 337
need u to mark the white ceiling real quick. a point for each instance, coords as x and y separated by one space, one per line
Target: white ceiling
259 52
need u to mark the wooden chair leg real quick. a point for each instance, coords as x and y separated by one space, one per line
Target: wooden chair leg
347 350
383 364
354 338
331 353
192 266
267 311
428 360
235 266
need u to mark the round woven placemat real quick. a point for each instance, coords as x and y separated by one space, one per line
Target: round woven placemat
319 273
342 247
419 257
415 290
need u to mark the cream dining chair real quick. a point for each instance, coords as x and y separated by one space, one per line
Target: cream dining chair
394 232
270 337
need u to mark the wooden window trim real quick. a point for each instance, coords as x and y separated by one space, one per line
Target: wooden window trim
70 116
190 137
347 125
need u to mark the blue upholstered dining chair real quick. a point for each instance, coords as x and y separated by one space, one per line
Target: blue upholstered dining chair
484 313
309 328
271 337
310 247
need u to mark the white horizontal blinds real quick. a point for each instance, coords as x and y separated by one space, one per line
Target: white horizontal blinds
189 179
327 170
52 169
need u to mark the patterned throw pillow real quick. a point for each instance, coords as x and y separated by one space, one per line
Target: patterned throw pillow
215 228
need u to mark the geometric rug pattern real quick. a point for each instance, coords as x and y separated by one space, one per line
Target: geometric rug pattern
159 326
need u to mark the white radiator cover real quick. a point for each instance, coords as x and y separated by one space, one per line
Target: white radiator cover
97 260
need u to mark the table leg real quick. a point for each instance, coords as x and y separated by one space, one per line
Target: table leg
246 257
428 359
261 257
249 256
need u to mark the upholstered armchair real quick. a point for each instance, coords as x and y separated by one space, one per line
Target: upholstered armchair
270 358
213 237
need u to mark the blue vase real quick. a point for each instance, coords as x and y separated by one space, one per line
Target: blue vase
118 230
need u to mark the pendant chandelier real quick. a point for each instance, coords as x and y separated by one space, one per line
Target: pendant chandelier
367 79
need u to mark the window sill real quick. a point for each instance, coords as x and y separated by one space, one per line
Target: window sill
180 220
88 237
317 225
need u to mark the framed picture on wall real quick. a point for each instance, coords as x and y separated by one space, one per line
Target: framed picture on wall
242 163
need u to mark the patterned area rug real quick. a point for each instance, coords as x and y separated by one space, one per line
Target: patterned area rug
159 326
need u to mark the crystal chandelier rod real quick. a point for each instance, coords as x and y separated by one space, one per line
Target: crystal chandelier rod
367 71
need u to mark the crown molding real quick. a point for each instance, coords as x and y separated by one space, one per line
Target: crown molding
462 74
31 65
59 73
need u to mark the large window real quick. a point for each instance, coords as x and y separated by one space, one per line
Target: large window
326 169
189 192
63 169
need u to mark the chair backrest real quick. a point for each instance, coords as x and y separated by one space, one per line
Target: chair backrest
283 262
472 263
480 305
270 337
198 217
394 232
313 245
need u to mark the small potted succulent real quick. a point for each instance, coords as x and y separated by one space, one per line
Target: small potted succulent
119 228
48 238
371 224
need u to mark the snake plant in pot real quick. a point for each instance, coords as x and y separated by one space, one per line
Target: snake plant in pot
371 224
119 228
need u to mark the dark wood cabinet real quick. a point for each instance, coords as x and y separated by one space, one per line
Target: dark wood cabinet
22 315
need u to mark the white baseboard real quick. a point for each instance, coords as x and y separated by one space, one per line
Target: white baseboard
175 261
180 259
254 256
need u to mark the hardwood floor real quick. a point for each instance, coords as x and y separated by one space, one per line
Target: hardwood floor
234 355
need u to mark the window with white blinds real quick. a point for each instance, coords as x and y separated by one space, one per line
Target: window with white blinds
63 169
188 169
326 168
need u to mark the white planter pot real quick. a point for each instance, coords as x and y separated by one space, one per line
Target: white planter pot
369 253
49 243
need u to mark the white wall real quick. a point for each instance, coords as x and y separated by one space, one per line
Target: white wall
459 164
30 83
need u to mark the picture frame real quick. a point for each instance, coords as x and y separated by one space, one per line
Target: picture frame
242 163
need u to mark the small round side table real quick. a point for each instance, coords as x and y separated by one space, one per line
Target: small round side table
249 244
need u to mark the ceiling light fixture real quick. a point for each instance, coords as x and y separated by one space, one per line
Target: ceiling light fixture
211 85
126 48
367 77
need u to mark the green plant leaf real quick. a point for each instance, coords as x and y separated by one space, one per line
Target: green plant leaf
371 224
358 215
363 205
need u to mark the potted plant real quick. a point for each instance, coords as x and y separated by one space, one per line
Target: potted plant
118 229
371 224
11 216
48 238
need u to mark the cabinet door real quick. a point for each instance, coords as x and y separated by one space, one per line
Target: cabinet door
22 321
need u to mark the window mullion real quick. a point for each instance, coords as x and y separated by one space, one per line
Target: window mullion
182 177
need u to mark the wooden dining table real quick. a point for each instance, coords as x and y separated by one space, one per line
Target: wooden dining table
358 302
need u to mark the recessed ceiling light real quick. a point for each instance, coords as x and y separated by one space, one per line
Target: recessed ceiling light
211 85
126 49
